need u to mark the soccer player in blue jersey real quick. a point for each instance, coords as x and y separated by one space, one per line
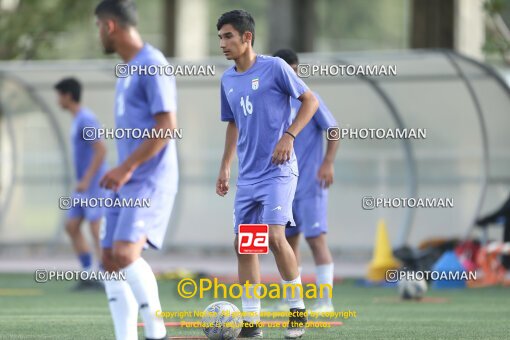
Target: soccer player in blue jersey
311 199
255 102
89 165
147 168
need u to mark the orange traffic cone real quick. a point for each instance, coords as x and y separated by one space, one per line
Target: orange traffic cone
382 259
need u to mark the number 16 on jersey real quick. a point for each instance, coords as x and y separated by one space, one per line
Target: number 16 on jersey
247 106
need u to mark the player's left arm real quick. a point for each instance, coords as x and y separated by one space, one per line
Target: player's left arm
117 177
327 170
290 84
283 149
325 120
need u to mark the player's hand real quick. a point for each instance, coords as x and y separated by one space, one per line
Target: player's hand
82 186
283 149
116 178
222 185
325 174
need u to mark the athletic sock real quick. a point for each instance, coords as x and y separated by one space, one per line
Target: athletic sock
324 274
143 283
123 308
293 293
284 299
251 306
85 261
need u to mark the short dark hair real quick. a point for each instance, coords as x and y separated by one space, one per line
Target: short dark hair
70 85
241 20
122 10
288 55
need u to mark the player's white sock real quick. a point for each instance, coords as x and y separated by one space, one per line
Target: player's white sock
324 274
293 293
123 308
251 306
284 299
143 283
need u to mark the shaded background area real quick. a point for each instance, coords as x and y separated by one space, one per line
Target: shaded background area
428 93
47 40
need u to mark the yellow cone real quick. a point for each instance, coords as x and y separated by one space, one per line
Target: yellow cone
382 259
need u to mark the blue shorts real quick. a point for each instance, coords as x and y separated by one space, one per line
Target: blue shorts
132 223
90 214
310 215
266 202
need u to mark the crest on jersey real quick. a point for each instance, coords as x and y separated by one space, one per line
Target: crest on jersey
255 84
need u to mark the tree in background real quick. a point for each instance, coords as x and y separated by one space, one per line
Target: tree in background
30 28
498 34
432 24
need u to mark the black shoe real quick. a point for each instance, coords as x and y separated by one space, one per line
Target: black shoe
250 330
297 324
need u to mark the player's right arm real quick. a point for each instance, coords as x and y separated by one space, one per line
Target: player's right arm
97 159
227 115
222 184
115 178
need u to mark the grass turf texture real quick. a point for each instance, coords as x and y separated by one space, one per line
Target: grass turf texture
51 311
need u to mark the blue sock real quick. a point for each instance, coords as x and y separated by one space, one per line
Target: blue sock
85 260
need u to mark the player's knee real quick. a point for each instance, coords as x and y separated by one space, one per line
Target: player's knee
108 261
316 242
276 244
293 240
95 227
240 257
72 228
123 257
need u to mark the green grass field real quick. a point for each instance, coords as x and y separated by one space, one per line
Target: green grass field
51 311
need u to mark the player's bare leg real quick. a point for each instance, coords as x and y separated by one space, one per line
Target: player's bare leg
108 261
324 271
248 269
143 284
125 253
82 250
288 268
283 253
320 250
95 226
248 266
78 241
294 243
